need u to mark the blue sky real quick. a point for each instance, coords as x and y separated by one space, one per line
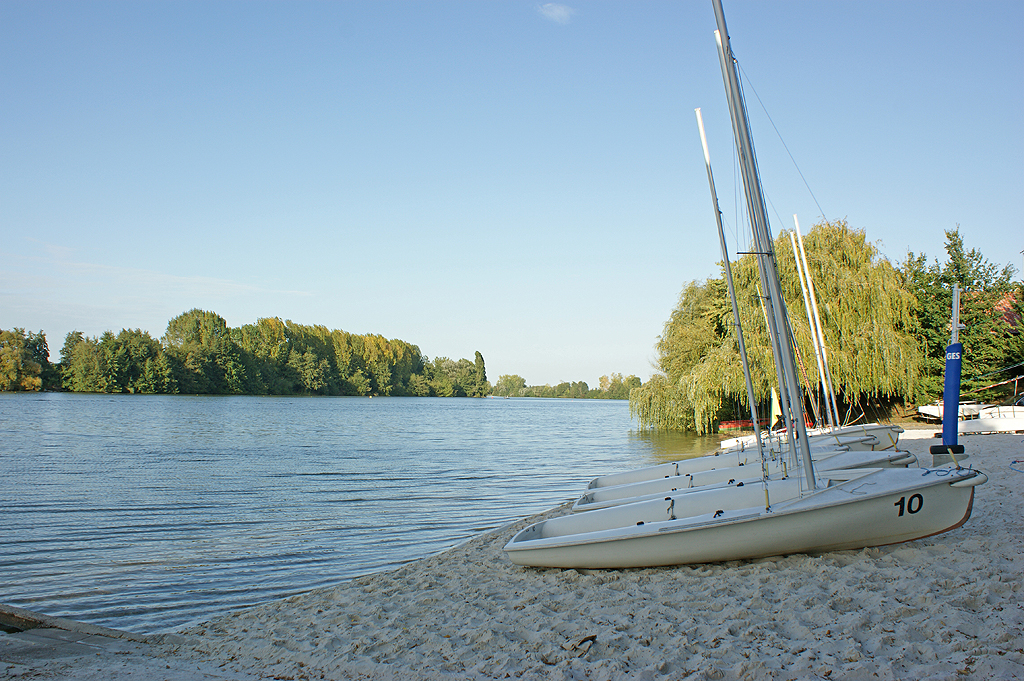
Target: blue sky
516 178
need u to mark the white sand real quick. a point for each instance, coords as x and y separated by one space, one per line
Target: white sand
945 607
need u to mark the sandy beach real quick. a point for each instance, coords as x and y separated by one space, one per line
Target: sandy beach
945 607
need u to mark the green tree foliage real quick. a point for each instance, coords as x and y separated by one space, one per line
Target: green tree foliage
21 367
510 385
463 378
614 388
200 354
481 386
131 362
203 357
990 309
866 310
39 351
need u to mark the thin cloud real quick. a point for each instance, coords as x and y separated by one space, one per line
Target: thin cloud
560 14
52 291
59 268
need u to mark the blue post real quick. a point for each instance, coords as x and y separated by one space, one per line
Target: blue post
951 385
951 395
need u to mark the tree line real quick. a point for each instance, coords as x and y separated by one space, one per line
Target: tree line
886 329
614 387
200 354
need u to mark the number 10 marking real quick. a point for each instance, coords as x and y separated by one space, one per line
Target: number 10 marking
912 505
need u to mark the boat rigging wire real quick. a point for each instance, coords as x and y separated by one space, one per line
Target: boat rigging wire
784 145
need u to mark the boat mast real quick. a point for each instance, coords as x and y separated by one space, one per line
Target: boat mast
789 388
735 309
830 393
759 250
814 334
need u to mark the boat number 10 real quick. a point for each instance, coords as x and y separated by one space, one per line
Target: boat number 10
911 505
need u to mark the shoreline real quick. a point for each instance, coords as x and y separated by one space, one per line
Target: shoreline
943 607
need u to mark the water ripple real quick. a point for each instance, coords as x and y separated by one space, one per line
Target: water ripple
149 513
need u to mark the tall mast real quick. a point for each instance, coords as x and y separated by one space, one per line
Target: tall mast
789 387
800 267
735 308
830 393
757 244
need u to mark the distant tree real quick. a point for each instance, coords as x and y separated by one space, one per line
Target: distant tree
481 388
203 356
313 371
359 383
133 353
539 391
510 385
18 368
83 364
616 387
441 376
39 350
418 386
574 390
197 327
200 354
378 360
72 339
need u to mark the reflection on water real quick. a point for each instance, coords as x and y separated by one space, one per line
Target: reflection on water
666 446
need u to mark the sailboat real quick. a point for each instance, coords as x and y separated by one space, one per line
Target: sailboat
746 473
810 512
829 450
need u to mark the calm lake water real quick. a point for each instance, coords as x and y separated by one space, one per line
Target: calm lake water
149 513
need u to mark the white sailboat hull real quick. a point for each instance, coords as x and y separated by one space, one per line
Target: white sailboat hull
885 436
868 438
749 474
720 468
869 507
992 424
964 410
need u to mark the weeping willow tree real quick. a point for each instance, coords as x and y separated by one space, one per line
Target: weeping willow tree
866 311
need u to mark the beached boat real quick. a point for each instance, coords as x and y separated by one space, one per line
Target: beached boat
881 435
995 419
747 473
860 451
811 512
852 509
966 409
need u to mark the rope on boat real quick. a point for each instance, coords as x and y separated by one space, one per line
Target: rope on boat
1016 461
892 446
942 472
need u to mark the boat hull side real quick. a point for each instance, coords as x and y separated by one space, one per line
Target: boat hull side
801 528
